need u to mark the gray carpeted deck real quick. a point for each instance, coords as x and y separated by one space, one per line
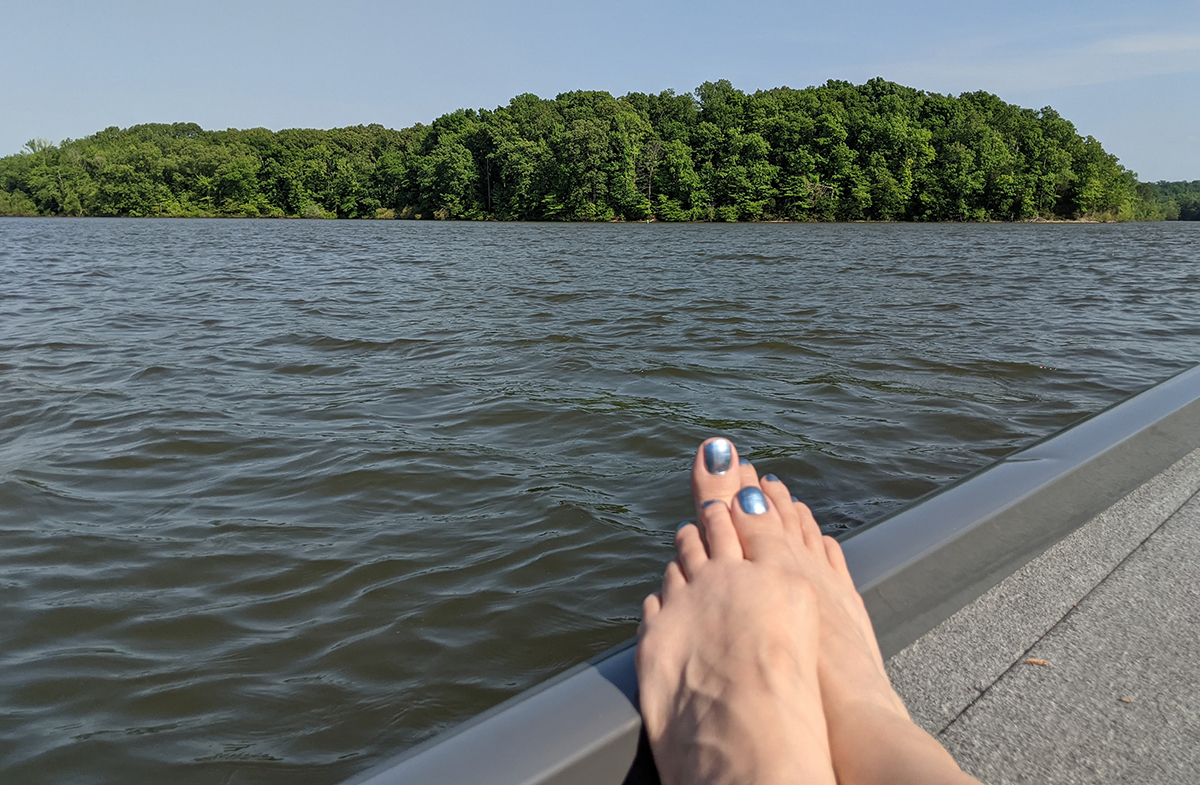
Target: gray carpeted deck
1114 611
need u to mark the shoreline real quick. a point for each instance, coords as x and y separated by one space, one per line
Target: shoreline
1036 220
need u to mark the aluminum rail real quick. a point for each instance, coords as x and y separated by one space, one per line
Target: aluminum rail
914 568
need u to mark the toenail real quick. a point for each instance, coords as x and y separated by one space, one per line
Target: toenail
710 501
752 500
744 461
795 499
771 478
718 455
680 526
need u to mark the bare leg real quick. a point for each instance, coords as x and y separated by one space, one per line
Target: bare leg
872 739
727 665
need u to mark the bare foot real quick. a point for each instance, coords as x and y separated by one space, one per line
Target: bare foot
871 737
727 662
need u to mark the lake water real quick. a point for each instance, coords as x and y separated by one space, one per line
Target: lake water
280 499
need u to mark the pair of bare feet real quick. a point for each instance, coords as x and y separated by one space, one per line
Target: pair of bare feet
757 662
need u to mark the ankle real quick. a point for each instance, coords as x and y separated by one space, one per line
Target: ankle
898 750
868 693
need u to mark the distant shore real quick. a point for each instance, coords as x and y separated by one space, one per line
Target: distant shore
838 152
1036 220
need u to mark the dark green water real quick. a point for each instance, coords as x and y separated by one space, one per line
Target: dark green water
279 499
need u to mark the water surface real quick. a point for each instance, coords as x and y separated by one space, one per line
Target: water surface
279 499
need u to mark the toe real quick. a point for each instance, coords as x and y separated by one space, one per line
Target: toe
719 534
837 559
749 475
809 526
690 550
758 525
650 608
781 499
716 473
673 582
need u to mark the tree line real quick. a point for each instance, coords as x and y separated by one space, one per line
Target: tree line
1178 201
838 152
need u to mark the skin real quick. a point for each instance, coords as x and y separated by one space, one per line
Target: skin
757 661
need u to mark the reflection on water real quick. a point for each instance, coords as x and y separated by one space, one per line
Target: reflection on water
280 498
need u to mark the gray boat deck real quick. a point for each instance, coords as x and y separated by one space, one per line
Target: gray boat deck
1113 609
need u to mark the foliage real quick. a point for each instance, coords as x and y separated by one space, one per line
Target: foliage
877 151
1178 201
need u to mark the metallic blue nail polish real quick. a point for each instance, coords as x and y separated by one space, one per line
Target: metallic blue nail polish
718 455
794 498
744 461
771 478
752 500
710 501
680 526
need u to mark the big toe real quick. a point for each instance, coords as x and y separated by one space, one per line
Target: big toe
716 473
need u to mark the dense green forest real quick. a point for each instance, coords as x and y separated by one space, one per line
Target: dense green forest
1175 201
877 151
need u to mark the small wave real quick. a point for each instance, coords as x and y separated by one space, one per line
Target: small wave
329 343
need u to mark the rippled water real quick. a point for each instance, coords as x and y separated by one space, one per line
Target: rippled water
278 499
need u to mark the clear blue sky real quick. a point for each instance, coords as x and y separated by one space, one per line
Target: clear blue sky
1129 74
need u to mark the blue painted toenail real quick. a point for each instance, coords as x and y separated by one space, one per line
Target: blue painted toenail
680 526
771 478
752 500
710 501
718 455
744 461
795 499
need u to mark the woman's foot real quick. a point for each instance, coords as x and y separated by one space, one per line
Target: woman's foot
727 661
871 737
